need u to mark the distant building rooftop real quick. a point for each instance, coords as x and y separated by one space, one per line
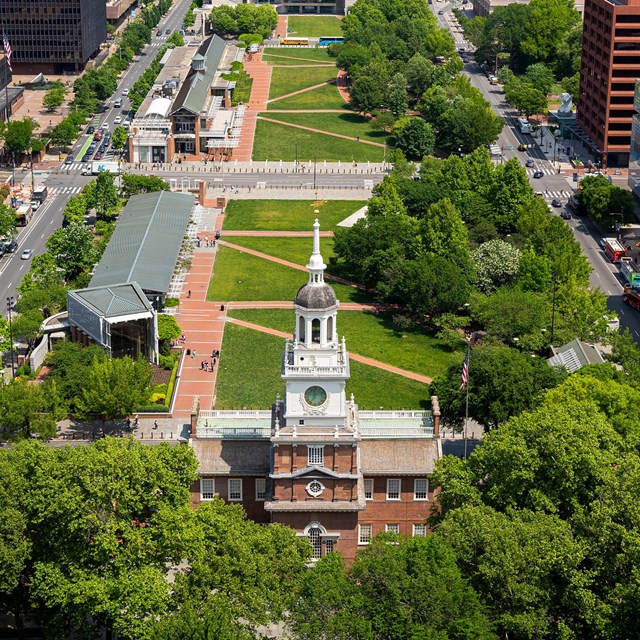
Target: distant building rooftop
574 355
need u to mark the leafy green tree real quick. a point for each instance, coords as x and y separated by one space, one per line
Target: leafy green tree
72 248
383 595
416 139
540 77
512 191
503 383
525 98
571 84
496 264
134 185
102 195
54 97
115 388
367 94
43 275
18 134
626 353
26 325
76 208
120 138
443 232
385 200
7 222
25 410
64 133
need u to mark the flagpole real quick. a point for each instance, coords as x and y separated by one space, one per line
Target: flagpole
466 421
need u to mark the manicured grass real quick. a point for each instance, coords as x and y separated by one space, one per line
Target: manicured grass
373 336
278 142
249 376
241 276
272 54
288 80
325 97
242 90
286 215
314 26
295 250
346 124
294 57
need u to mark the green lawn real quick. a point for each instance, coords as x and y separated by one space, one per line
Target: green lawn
288 80
325 97
297 56
373 336
240 276
278 142
346 124
249 376
295 250
286 215
314 26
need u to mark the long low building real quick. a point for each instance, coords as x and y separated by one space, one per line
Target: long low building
119 308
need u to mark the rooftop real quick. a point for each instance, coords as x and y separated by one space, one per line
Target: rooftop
114 300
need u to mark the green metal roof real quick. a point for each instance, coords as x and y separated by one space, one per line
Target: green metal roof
195 88
146 243
114 300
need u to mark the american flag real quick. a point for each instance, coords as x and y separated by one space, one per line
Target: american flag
7 49
465 371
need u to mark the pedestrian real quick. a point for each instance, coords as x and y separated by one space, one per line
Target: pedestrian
194 354
183 338
128 423
202 364
155 424
135 422
213 353
189 293
213 364
206 365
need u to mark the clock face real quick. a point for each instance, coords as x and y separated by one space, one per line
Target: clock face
315 396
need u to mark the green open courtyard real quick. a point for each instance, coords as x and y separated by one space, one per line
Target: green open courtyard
241 276
292 249
374 336
274 141
286 80
325 97
314 26
249 376
294 57
286 215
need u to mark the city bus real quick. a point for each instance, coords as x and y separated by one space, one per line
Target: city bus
325 41
524 125
295 41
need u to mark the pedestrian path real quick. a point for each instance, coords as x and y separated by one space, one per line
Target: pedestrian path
54 191
354 356
548 171
296 93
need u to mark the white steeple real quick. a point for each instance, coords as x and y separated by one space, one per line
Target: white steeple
316 264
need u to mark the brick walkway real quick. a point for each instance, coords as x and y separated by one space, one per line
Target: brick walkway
283 24
342 84
326 133
354 356
261 73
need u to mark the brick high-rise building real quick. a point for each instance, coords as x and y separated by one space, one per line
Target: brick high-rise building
53 36
609 67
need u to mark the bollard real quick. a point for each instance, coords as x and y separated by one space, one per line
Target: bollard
161 435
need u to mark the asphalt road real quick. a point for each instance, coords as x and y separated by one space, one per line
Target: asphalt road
63 185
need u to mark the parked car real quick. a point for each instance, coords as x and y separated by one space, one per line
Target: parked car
98 155
159 33
90 129
530 163
566 214
26 254
167 32
68 160
556 203
538 174
10 247
118 120
86 157
98 135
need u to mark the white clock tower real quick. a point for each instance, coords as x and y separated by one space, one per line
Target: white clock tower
316 363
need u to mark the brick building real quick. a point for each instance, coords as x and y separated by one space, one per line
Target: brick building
314 461
609 66
53 36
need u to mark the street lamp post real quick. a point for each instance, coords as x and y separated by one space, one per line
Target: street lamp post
296 147
9 307
553 306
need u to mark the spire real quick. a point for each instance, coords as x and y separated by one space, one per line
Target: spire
316 264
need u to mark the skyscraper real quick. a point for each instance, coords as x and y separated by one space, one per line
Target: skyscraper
53 35
609 67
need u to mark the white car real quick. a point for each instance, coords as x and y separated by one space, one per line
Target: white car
105 126
118 120
125 92
26 254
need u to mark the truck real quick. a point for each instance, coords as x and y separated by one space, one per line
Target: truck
631 296
524 125
630 271
23 215
94 168
613 249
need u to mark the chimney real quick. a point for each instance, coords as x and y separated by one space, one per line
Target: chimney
435 412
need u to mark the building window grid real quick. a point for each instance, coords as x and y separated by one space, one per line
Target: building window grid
315 538
261 489
393 489
207 488
235 489
368 488
328 546
315 455
392 528
365 533
419 530
421 489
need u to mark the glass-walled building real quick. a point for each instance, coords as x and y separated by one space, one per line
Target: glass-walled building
634 152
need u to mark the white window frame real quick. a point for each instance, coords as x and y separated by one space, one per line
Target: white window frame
421 493
315 455
392 528
419 530
390 483
207 495
237 491
368 488
365 533
261 489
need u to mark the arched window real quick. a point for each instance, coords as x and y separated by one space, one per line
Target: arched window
330 329
315 538
315 330
301 330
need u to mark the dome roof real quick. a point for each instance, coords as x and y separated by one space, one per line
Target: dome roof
316 296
